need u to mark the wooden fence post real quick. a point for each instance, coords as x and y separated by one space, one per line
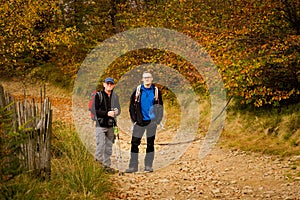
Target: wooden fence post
2 97
36 127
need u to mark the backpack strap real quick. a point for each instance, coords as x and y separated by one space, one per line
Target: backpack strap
101 99
137 94
156 93
92 108
100 96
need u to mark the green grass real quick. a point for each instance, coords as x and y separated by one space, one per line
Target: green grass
74 174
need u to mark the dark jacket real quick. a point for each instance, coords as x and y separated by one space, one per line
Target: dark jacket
136 113
102 108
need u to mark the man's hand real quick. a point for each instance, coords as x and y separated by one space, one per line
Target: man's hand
116 111
111 113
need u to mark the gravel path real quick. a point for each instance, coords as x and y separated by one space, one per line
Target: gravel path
223 174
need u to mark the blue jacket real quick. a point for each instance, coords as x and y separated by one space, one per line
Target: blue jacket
135 107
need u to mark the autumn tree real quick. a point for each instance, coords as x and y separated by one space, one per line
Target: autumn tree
254 43
49 39
30 34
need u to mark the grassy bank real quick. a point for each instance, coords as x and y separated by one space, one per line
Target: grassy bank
273 131
74 174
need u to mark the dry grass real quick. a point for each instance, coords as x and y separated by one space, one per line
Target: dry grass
264 130
74 174
17 88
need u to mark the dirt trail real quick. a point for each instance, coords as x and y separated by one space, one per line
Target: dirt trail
223 174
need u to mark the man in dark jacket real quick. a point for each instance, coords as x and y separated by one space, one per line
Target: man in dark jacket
146 112
107 107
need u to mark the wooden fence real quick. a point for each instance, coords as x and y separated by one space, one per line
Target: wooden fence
33 121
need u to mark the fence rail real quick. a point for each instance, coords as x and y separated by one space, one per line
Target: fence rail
34 121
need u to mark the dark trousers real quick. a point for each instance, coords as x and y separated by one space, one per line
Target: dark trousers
138 132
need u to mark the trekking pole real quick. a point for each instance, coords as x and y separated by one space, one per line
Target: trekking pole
118 153
120 156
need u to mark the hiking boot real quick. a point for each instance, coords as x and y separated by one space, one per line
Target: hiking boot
110 170
98 163
131 170
148 169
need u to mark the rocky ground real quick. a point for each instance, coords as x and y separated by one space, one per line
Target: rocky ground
223 174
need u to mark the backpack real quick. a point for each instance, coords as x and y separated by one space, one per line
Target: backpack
138 94
92 104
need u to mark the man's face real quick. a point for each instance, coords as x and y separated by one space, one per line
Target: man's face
109 86
147 78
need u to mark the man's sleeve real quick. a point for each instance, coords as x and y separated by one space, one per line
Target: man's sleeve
159 108
118 104
132 107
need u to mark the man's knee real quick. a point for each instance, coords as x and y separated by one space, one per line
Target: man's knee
135 141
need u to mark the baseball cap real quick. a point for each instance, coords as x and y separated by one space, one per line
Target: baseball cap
109 80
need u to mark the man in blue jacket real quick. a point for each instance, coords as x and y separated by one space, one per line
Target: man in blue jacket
146 112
